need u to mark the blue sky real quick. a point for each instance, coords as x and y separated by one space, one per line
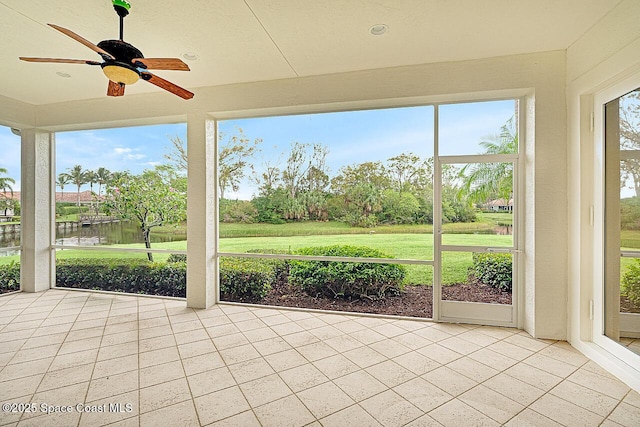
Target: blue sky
352 137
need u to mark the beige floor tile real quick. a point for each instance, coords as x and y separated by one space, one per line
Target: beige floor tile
491 403
287 412
106 387
564 412
349 326
55 419
497 332
360 385
115 366
633 398
564 352
250 324
456 413
285 360
343 343
265 390
530 418
336 366
449 380
389 348
196 348
34 354
239 354
191 336
626 415
220 330
422 394
533 376
470 368
353 416
250 370
210 381
440 354
584 397
243 419
157 343
605 385
424 421
118 350
119 338
477 338
65 377
158 357
128 411
367 336
493 359
230 341
390 373
271 346
24 386
433 334
287 328
154 332
527 342
364 356
260 334
514 389
416 362
510 350
325 399
220 404
299 339
81 345
303 377
327 332
165 394
389 330
277 319
390 409
550 365
161 373
191 325
44 341
20 370
202 363
82 334
412 340
316 351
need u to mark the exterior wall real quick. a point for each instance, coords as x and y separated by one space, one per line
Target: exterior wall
604 56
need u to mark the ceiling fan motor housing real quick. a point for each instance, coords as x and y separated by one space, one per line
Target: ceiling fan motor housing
121 69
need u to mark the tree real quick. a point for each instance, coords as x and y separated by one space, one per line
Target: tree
234 156
484 181
147 199
178 154
5 184
360 187
102 176
78 177
62 180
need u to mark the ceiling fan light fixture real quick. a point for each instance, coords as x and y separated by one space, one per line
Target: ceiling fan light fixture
119 74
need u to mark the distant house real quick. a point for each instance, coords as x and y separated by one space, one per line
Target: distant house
6 209
499 205
86 197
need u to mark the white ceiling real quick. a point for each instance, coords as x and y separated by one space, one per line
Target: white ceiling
255 40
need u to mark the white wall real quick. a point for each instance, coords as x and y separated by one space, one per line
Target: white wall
604 56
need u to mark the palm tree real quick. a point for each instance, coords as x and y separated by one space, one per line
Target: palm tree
102 176
63 179
5 184
484 181
79 178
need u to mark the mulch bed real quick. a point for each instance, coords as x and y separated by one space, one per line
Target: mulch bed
414 301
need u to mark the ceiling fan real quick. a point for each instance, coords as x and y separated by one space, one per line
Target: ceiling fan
122 63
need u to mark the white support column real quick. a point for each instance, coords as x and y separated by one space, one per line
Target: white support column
36 228
202 212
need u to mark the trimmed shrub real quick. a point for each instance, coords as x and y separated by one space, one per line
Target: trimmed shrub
346 279
177 258
10 277
631 282
245 279
494 270
123 275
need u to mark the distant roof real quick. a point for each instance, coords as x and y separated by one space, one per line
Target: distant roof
67 196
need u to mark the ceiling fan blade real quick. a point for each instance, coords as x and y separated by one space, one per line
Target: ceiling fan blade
82 40
115 89
59 60
162 63
167 85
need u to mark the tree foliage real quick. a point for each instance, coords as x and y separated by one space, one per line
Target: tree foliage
147 199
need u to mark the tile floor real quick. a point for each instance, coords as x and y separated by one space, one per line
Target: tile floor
632 344
167 365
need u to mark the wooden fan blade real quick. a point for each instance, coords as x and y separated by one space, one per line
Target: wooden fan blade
167 85
82 40
162 63
59 60
115 89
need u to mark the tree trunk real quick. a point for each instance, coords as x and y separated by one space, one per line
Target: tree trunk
146 233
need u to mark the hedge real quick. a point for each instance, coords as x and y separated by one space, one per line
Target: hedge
338 279
631 282
131 276
494 270
246 279
10 277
